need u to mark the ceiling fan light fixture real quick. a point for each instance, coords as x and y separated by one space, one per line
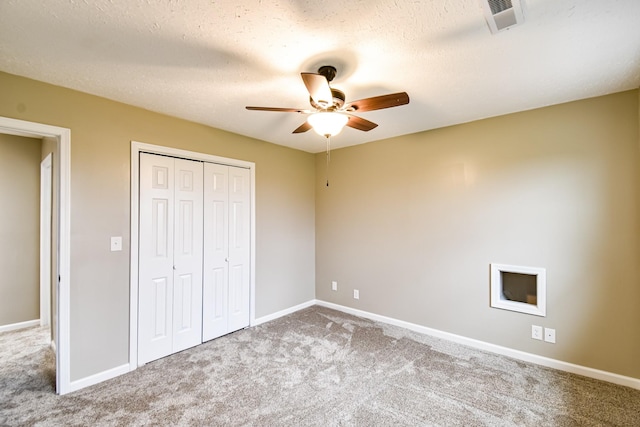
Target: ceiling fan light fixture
327 123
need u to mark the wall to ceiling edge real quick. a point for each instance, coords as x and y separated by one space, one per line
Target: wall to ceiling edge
101 134
414 222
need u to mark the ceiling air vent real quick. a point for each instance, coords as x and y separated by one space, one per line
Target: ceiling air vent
503 14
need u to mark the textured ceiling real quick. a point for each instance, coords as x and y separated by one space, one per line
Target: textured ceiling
205 60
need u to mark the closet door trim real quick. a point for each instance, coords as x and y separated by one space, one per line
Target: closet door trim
136 149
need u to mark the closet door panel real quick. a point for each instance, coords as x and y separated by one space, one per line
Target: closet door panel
216 241
155 316
187 254
159 305
239 248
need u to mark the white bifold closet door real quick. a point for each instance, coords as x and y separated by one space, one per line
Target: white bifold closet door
226 292
170 257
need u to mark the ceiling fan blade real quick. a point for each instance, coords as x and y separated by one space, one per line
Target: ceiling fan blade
283 110
379 102
318 88
302 128
360 123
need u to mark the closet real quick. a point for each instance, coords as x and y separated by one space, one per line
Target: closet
194 253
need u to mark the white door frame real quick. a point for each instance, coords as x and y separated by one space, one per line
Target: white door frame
136 148
45 240
63 142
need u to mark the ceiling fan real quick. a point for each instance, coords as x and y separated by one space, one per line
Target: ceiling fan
330 113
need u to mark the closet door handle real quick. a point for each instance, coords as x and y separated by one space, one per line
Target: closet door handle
226 259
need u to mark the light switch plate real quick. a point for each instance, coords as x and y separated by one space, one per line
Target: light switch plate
116 244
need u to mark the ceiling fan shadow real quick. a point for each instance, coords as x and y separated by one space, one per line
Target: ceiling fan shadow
345 61
321 11
163 50
463 33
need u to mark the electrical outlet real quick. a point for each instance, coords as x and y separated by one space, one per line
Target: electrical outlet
550 335
536 332
334 286
356 294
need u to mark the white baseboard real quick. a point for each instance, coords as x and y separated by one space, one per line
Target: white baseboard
284 312
98 378
19 325
493 348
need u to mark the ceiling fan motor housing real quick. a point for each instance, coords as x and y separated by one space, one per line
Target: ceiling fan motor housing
338 99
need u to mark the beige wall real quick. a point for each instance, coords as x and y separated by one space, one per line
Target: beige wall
414 222
19 229
101 132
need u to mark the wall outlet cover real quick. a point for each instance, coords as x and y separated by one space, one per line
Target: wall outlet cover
536 332
550 335
334 286
356 294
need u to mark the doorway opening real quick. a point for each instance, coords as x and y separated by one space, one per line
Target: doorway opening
21 296
60 248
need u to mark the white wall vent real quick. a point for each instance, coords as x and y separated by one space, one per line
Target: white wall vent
503 14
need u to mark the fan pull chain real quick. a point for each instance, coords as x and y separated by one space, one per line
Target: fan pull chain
328 156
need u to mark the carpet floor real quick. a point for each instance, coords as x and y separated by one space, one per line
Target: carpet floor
315 367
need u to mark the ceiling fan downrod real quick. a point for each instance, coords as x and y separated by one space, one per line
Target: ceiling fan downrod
328 71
